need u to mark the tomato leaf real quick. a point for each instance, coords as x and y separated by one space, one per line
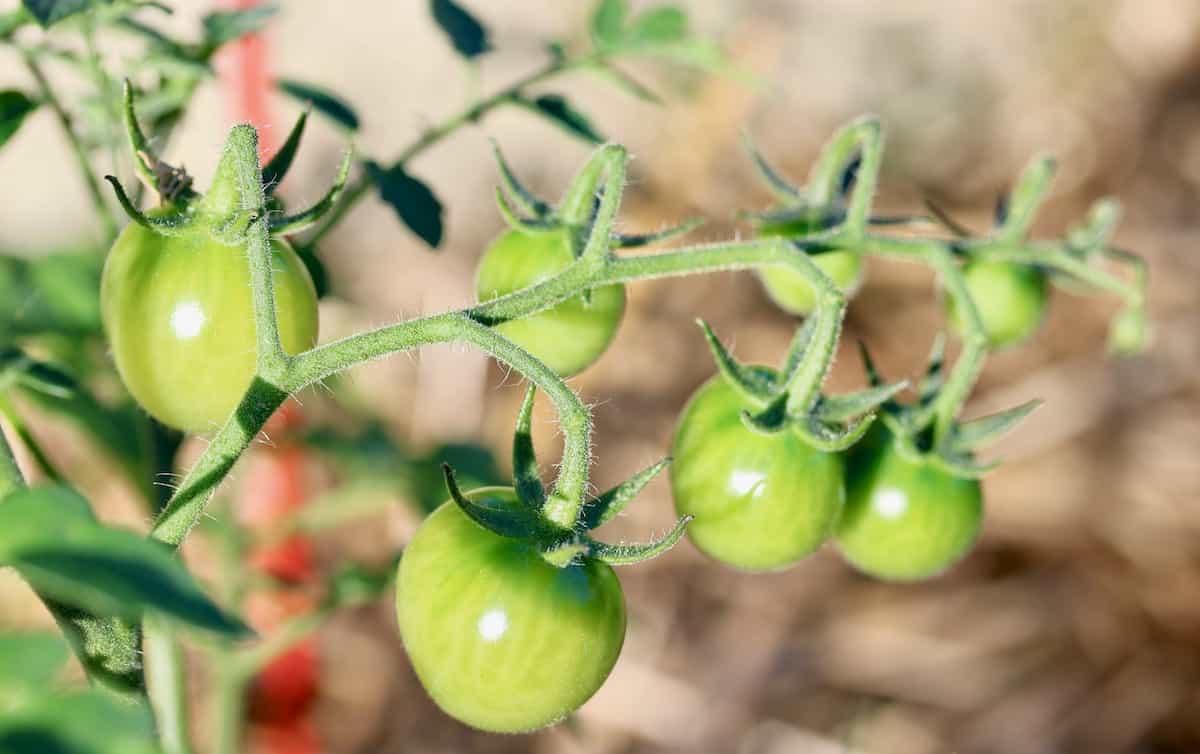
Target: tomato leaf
323 101
557 110
275 170
608 22
414 202
50 12
14 106
468 36
605 507
18 369
225 26
82 722
111 572
657 26
29 662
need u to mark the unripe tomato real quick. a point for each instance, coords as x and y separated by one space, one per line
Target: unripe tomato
905 520
180 321
790 290
569 336
761 502
501 639
1011 299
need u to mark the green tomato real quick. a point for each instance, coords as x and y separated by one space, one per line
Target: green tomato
501 639
1011 299
790 290
905 520
179 317
761 502
569 336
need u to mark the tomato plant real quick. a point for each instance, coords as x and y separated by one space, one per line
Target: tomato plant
179 316
508 606
1011 299
501 639
568 336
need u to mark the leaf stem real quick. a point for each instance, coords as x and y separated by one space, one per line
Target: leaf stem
431 136
103 211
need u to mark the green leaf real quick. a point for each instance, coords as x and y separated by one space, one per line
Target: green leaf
29 661
225 26
275 170
13 20
414 202
608 22
49 12
557 110
323 101
468 36
110 572
658 26
18 369
88 722
14 106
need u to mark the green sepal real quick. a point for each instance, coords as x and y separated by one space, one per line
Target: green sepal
833 436
783 190
771 420
603 508
313 215
526 479
821 219
279 164
144 157
934 376
967 436
635 240
515 523
528 202
842 407
174 227
628 554
794 357
529 226
753 385
961 465
1096 231
873 375
563 553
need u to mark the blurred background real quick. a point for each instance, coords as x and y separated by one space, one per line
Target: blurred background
1073 627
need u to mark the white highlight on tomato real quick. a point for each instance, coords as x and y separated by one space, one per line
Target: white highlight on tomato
745 482
890 503
188 319
493 624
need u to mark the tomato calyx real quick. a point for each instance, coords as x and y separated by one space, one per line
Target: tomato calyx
911 423
229 210
527 520
790 398
576 213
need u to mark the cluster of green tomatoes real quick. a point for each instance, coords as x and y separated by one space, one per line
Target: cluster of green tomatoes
503 636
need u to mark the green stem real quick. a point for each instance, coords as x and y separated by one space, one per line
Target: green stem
166 685
28 440
103 211
431 136
11 478
228 716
